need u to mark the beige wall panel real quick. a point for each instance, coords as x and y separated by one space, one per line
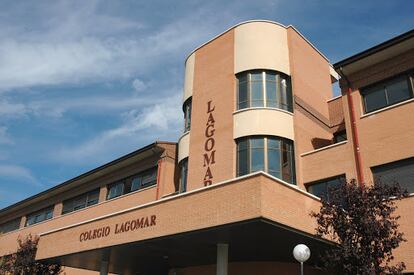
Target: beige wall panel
183 146
262 121
261 45
189 77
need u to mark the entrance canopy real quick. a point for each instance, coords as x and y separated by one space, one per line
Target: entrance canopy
259 218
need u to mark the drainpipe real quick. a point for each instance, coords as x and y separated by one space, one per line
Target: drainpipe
354 130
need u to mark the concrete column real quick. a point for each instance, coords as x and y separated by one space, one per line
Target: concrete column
222 259
104 263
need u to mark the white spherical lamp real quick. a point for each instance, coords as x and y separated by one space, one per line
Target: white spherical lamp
301 253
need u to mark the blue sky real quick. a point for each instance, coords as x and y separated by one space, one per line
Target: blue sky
84 82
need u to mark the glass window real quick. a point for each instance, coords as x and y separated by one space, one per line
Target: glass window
10 226
401 171
42 215
264 89
144 179
115 190
183 175
386 93
323 187
340 136
81 201
273 155
187 115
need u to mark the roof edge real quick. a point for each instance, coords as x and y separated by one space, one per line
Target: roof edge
377 48
255 21
88 173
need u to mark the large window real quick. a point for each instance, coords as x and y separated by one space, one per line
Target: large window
141 180
183 175
39 216
323 187
187 115
264 89
144 179
10 226
401 171
81 201
387 93
273 155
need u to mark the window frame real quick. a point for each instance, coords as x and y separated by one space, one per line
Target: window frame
187 109
375 87
325 181
283 142
44 211
393 163
183 165
9 226
279 77
86 201
141 175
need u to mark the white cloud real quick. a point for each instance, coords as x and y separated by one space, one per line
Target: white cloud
138 85
12 109
139 127
4 137
18 173
73 47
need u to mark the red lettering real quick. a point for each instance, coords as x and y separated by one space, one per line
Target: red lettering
209 144
153 217
209 109
210 120
209 159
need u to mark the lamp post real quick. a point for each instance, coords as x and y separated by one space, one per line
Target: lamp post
301 253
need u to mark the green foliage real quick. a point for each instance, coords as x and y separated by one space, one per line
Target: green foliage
23 261
361 221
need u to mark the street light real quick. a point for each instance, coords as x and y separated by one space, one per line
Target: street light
301 253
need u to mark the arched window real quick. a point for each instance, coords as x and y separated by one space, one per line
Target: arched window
183 175
274 155
264 88
187 115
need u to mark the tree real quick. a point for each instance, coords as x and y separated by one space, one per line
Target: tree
361 221
23 261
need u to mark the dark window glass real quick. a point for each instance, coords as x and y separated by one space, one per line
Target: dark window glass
187 115
243 157
183 175
10 226
273 155
398 91
340 136
115 190
144 179
81 201
386 93
401 172
42 215
323 187
264 89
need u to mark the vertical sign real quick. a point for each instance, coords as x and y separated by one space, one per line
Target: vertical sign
209 151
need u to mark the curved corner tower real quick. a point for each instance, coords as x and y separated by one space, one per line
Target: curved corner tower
239 104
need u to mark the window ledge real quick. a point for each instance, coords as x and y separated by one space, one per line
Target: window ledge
324 148
262 108
388 107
